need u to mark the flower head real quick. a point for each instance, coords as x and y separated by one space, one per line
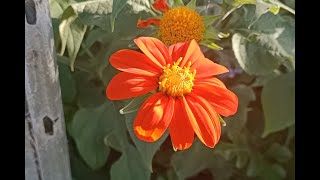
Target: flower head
182 24
187 98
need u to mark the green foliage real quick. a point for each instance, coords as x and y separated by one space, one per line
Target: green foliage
256 143
88 128
129 165
147 150
278 97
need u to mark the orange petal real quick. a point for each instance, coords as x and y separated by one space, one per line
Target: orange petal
134 62
181 131
160 5
201 121
154 117
154 49
126 85
205 68
211 112
222 100
189 51
146 23
211 80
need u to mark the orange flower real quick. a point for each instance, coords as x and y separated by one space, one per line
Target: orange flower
187 98
182 23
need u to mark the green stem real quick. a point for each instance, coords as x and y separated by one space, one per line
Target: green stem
285 7
88 52
77 67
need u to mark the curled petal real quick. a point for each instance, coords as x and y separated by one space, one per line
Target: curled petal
222 100
190 52
126 85
206 68
160 5
202 121
181 131
211 81
154 117
134 62
146 23
154 49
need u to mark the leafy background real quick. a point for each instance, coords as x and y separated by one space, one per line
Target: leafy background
257 143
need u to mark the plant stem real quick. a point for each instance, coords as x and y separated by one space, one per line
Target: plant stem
285 7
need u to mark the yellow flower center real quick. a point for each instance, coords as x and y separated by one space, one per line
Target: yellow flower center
181 24
176 81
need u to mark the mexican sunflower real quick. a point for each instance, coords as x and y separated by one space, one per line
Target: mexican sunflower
182 24
186 98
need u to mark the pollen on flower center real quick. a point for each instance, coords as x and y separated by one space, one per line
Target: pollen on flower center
181 24
176 81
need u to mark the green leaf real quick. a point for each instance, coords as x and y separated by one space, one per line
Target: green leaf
252 57
255 166
199 157
55 28
91 91
192 4
88 129
278 102
76 34
67 83
178 3
147 150
71 34
262 7
57 7
129 166
236 122
209 20
263 80
119 16
115 45
240 2
278 152
81 171
95 12
134 105
94 35
210 45
260 168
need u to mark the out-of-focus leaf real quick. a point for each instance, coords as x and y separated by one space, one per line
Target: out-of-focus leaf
134 104
209 20
255 166
57 7
88 129
261 169
115 45
129 166
147 150
178 3
71 34
119 16
210 45
236 122
252 57
279 153
278 102
67 83
262 7
91 91
199 157
192 4
80 171
264 79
